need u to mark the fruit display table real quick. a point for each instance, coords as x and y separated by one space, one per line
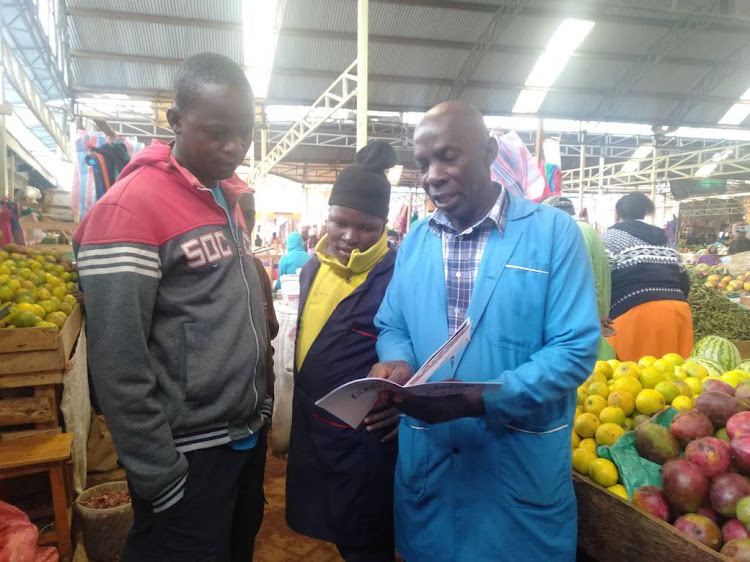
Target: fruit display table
610 528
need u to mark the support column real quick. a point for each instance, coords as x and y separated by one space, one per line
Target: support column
362 72
653 174
539 135
581 168
6 186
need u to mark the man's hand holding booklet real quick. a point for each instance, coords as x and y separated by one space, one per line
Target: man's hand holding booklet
352 401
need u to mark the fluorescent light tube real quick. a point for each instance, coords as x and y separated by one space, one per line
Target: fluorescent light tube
550 64
529 101
736 114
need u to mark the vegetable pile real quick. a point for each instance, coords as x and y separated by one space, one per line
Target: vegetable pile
713 314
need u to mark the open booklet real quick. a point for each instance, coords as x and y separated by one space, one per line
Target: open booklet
351 402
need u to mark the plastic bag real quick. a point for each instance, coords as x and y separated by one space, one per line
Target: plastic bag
283 368
18 538
635 471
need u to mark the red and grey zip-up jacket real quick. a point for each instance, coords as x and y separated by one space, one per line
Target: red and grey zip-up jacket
175 324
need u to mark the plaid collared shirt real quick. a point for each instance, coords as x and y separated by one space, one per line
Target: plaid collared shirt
462 253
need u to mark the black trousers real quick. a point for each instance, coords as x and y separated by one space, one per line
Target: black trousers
370 553
218 518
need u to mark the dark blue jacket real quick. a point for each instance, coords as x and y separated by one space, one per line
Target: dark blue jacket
340 480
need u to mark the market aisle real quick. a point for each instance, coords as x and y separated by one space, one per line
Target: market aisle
276 542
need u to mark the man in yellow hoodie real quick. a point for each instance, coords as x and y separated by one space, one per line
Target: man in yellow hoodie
339 479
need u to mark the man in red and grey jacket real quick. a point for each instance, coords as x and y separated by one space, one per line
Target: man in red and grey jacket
176 330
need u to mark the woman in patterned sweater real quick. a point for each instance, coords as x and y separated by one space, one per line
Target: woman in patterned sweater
649 286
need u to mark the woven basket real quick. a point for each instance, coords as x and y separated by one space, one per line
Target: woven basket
104 530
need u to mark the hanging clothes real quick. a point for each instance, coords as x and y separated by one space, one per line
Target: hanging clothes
6 228
87 187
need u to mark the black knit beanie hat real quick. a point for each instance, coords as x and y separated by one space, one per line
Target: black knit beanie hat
363 186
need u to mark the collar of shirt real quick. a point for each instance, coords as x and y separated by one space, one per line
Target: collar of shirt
498 214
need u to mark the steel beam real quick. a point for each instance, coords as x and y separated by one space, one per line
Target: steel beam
498 23
513 50
29 42
336 96
738 59
143 59
17 77
677 35
153 18
485 85
363 71
433 82
664 167
605 12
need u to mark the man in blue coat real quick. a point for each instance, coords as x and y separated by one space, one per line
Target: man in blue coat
486 477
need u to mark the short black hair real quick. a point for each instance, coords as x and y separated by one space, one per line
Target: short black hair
634 206
562 203
203 69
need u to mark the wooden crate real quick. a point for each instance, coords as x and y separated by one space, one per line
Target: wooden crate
610 528
37 350
32 364
744 348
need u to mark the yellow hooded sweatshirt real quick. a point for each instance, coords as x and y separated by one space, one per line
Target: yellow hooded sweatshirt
332 284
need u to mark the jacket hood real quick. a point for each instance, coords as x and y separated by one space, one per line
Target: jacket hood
159 155
647 232
294 242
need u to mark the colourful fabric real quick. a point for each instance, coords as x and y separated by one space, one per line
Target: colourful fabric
496 487
654 328
462 252
516 169
710 259
333 283
602 280
295 258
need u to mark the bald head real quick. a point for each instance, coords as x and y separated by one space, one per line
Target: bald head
453 153
457 113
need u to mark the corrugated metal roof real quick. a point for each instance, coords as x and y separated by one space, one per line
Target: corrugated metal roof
415 61
151 39
217 10
319 54
325 15
321 58
116 75
425 22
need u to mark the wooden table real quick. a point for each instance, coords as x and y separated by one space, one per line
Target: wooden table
45 453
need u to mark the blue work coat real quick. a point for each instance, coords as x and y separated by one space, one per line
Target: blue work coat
498 487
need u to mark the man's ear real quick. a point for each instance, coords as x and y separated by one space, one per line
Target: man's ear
491 149
175 120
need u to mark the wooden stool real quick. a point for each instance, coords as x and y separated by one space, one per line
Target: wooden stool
44 453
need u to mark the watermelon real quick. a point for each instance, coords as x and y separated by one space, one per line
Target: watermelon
745 366
713 367
718 349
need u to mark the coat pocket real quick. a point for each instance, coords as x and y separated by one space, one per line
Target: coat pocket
413 455
535 463
201 368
